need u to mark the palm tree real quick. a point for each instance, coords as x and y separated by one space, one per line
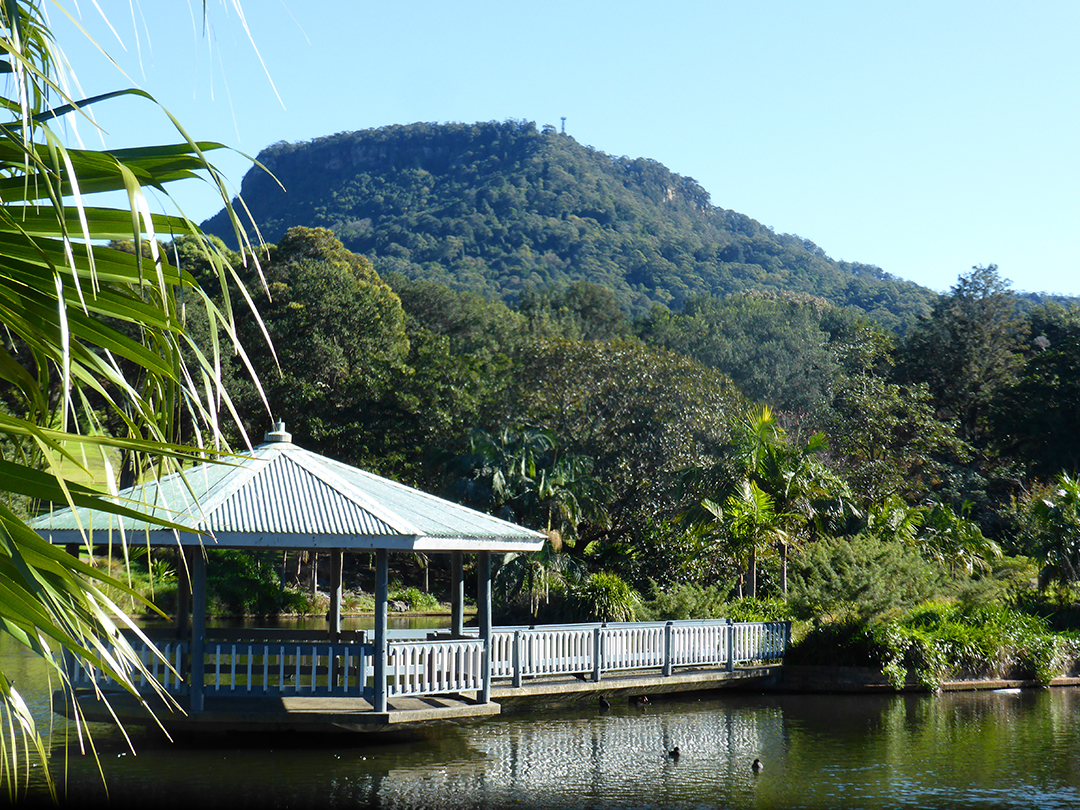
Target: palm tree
804 496
749 520
955 540
91 333
1054 517
520 475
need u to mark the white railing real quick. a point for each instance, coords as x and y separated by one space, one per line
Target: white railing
435 667
439 665
592 649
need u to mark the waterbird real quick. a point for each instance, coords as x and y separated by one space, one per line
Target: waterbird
757 767
605 704
674 752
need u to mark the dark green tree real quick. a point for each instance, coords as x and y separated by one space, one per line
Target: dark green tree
968 351
885 437
339 333
639 413
1037 419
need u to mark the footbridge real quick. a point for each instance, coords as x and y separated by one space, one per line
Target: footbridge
273 680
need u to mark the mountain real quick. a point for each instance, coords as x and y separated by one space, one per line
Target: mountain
500 207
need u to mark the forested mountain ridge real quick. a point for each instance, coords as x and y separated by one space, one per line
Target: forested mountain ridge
500 207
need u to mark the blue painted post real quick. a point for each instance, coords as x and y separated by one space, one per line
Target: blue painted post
457 593
334 616
198 629
731 646
597 653
669 649
382 580
483 610
517 658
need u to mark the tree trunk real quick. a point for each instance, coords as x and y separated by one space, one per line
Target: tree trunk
751 590
783 568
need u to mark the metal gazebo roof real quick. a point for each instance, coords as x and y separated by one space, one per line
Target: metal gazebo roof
282 496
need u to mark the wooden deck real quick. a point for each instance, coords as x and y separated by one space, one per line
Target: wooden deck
269 715
325 715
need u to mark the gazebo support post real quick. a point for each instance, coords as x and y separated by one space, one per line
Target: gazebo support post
483 609
382 580
457 593
334 616
183 599
198 629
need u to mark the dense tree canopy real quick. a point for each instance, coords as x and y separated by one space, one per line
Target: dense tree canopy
502 208
776 347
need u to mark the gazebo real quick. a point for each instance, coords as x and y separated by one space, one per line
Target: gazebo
283 497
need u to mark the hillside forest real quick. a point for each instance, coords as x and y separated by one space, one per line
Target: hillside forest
762 451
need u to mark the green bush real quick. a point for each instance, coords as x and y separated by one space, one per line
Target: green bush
749 609
862 578
246 583
685 601
416 599
1058 607
939 641
602 597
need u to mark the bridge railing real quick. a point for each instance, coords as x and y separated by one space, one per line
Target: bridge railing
593 649
435 667
262 663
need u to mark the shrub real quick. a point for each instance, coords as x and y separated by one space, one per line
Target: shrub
749 609
602 597
416 599
247 583
685 601
862 578
939 641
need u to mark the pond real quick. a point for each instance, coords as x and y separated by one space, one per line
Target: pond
1007 748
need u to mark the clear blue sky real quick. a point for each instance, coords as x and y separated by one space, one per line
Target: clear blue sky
923 137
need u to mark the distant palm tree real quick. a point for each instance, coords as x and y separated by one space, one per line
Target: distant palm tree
955 540
749 520
522 476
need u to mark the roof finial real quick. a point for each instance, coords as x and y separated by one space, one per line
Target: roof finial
278 434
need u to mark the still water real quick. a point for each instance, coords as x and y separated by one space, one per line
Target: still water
1005 749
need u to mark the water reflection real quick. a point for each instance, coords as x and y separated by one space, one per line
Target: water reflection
969 750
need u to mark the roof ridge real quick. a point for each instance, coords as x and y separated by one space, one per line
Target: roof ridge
316 465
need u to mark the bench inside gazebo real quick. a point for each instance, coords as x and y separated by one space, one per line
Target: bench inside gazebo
283 497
